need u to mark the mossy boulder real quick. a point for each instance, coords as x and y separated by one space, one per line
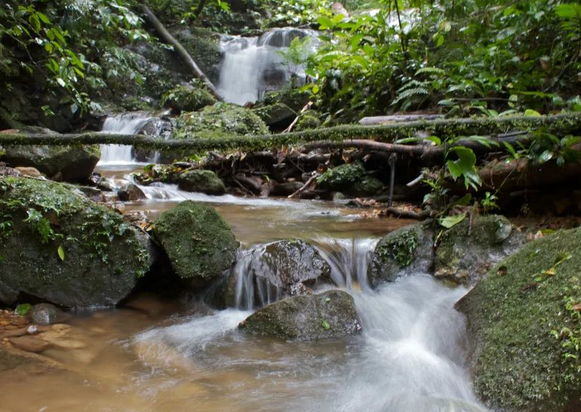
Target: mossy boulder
351 179
329 315
68 163
468 250
402 252
188 98
308 121
525 328
58 246
203 181
198 242
277 116
219 120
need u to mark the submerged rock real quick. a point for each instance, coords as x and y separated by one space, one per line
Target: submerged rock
203 181
523 322
351 179
67 163
46 314
466 252
328 315
58 246
402 252
198 242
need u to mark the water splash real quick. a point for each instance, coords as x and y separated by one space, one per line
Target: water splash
127 123
253 65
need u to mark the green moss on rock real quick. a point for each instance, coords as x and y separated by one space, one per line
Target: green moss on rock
187 98
219 120
203 181
61 247
404 251
197 240
468 250
519 365
351 179
329 315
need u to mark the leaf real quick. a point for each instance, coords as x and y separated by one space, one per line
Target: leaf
532 113
325 325
568 11
451 221
22 309
61 253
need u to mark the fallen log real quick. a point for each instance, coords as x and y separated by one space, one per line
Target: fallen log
371 120
345 135
182 52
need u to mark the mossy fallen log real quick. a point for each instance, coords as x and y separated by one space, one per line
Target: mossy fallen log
347 136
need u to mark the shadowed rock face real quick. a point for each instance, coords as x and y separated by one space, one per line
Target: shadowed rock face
63 248
199 243
328 315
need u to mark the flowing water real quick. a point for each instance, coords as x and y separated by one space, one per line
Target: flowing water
254 65
178 356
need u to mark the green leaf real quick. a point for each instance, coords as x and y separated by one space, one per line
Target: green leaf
325 325
568 11
532 113
22 309
451 221
61 253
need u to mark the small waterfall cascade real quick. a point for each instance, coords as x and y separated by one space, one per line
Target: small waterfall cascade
130 123
254 65
348 259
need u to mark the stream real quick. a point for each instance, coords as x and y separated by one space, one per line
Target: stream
174 356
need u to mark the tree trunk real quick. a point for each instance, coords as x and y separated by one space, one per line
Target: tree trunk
182 52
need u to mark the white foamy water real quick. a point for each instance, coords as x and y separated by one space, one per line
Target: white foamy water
127 123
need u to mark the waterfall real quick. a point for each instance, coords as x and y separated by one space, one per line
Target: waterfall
348 259
253 65
127 123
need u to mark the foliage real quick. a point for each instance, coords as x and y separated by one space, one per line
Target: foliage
188 97
414 54
401 248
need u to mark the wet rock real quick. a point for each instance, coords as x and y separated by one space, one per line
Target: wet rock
203 181
29 344
277 116
351 179
286 189
199 243
101 182
402 252
130 193
46 314
69 163
329 315
464 254
65 249
517 362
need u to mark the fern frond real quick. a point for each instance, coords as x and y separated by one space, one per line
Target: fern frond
430 70
410 93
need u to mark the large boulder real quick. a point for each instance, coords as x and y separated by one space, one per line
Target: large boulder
329 315
187 98
351 179
203 181
468 250
68 163
277 116
402 252
524 327
219 120
198 242
58 246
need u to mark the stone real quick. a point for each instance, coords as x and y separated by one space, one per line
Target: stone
46 314
402 252
188 98
203 181
130 193
63 248
29 172
69 163
29 344
277 116
465 257
329 315
198 242
351 179
522 328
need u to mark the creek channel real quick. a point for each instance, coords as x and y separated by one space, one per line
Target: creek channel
161 356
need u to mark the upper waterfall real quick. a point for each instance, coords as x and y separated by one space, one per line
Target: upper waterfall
254 65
